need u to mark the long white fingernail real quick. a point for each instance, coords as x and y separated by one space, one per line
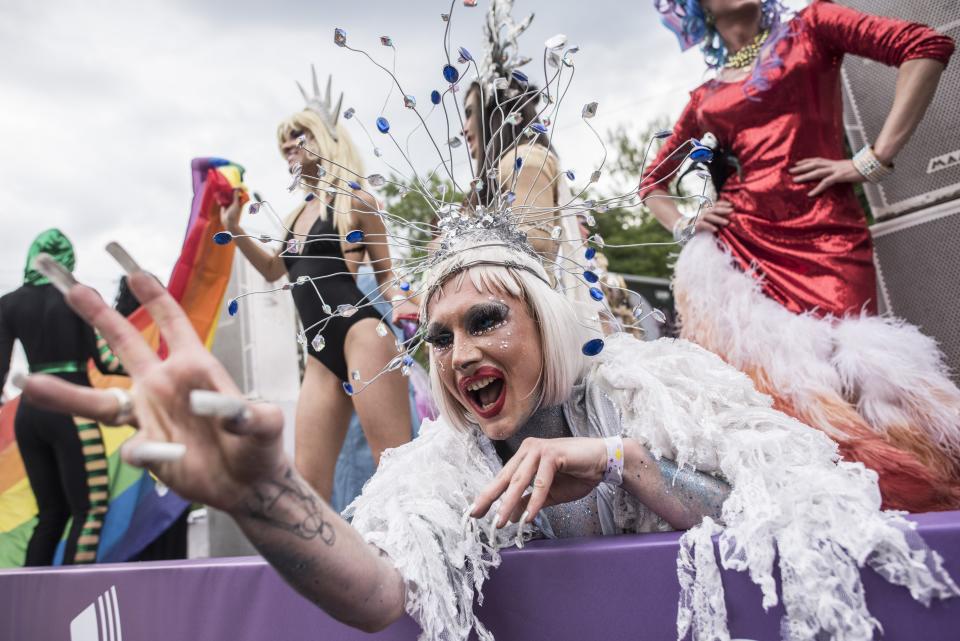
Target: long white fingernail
156 452
471 508
19 379
496 520
123 257
523 518
207 403
59 275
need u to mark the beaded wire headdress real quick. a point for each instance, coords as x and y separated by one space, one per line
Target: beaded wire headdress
461 226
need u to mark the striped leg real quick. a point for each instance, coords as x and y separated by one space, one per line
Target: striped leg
95 465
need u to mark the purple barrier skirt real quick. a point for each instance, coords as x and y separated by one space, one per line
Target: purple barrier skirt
574 590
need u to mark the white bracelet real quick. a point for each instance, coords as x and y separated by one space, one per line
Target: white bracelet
613 474
683 229
869 166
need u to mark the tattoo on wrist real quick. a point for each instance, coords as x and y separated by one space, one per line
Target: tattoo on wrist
303 517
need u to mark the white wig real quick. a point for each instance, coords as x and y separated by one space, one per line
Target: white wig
498 269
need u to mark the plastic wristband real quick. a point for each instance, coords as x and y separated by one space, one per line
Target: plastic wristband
614 472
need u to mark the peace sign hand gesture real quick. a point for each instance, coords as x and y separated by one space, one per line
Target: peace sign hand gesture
196 432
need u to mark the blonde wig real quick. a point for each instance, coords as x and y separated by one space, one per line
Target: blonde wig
334 152
504 271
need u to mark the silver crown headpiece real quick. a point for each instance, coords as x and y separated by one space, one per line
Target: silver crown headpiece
501 56
321 104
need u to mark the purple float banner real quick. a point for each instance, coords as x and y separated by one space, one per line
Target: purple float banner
614 588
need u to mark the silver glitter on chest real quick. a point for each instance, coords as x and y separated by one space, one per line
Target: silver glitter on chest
577 518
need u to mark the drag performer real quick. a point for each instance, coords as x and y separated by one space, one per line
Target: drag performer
314 256
64 456
507 136
780 280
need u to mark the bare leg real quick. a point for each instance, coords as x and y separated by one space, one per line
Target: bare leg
323 415
384 406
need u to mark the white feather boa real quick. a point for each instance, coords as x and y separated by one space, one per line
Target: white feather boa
791 495
414 509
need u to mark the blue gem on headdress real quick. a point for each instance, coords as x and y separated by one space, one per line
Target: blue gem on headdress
590 253
510 197
354 236
539 128
233 307
310 196
592 347
407 360
570 175
222 237
450 74
340 37
348 388
353 184
596 294
383 125
520 77
701 154
405 286
464 55
254 207
663 133
590 276
519 163
435 97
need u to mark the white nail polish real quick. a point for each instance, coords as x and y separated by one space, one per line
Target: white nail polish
207 403
523 518
19 379
157 452
496 520
471 508
123 257
59 276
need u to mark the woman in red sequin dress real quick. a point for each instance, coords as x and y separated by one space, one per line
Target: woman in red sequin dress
779 279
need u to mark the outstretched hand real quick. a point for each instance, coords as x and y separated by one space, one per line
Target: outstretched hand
225 454
560 469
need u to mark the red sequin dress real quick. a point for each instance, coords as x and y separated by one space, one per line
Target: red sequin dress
786 292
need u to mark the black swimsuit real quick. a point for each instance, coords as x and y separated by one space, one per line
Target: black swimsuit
338 289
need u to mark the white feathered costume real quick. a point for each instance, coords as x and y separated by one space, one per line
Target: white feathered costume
791 494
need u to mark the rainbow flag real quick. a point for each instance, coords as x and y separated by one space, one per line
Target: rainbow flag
140 507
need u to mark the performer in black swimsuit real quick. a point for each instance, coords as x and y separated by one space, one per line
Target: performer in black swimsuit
64 456
325 258
350 345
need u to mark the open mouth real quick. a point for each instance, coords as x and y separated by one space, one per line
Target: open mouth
486 391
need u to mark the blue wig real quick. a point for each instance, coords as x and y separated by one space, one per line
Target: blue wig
688 21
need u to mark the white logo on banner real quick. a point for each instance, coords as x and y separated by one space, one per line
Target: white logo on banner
100 621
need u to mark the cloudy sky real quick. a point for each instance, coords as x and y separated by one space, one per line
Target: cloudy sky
104 103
